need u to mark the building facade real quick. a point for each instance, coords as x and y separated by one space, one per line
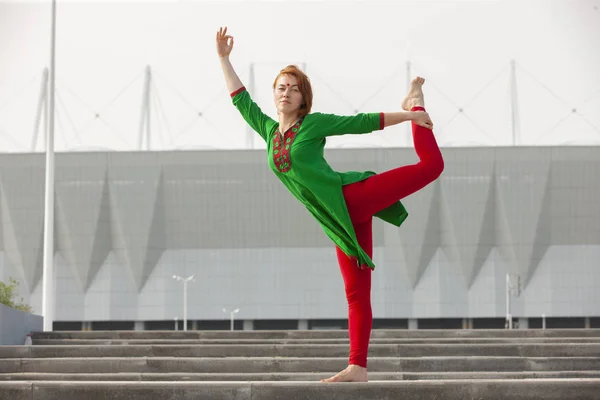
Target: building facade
127 222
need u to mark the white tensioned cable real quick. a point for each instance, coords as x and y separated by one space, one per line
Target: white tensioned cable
16 95
480 129
199 113
160 110
461 110
157 105
174 89
588 122
550 130
314 73
353 109
486 86
12 139
582 116
557 97
560 121
434 87
383 86
571 109
9 101
97 115
118 134
61 129
59 121
589 98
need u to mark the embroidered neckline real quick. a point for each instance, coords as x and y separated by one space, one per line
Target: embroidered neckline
282 145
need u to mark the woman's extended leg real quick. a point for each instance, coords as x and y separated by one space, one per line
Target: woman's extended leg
366 198
357 284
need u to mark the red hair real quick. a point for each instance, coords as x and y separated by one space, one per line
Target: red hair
303 85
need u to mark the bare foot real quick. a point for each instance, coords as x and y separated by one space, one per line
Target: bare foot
352 373
414 97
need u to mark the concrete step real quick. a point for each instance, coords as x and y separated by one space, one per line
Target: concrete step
547 389
316 334
407 364
517 340
307 364
312 350
294 376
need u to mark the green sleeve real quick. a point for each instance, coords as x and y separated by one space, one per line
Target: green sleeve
332 125
252 114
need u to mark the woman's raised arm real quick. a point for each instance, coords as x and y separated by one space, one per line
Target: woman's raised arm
224 47
250 111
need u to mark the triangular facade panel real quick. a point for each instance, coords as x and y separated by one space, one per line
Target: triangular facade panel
22 202
485 296
427 293
137 218
521 188
420 233
83 238
467 218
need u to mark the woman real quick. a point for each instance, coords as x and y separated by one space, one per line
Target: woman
343 203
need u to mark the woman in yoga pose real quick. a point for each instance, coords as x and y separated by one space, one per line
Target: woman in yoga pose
343 203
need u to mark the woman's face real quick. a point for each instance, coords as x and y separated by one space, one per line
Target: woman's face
286 95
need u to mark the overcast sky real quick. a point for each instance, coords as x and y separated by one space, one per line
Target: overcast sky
355 53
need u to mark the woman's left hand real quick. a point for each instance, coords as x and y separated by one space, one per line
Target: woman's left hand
421 118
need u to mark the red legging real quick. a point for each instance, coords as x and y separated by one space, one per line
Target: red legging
364 199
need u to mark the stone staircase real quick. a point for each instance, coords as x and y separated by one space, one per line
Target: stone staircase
251 365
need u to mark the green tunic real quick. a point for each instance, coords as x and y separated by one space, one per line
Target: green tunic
298 162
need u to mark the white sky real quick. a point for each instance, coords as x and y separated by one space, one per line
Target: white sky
355 53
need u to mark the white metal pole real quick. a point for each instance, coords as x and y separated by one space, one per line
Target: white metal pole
543 321
46 121
185 282
148 107
40 109
145 108
513 104
48 281
231 313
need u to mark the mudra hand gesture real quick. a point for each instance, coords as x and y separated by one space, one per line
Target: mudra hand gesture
224 42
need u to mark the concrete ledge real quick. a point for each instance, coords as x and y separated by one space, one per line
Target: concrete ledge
491 340
307 364
292 376
548 389
313 350
316 334
16 390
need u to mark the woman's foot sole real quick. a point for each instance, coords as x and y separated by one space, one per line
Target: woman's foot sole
414 98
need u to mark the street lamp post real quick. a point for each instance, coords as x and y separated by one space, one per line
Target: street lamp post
231 314
513 286
185 282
